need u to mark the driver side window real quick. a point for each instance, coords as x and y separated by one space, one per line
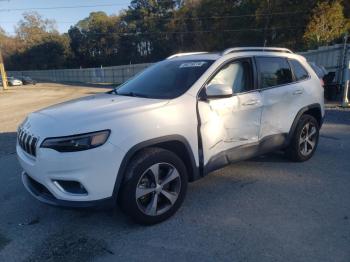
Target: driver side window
237 75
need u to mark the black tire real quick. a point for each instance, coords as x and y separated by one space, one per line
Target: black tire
137 170
295 149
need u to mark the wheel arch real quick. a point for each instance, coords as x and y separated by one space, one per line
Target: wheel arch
174 143
313 110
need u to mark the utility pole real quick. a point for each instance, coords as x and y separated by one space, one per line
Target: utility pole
267 23
3 72
345 102
343 58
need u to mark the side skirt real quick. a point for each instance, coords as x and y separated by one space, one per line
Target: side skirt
267 144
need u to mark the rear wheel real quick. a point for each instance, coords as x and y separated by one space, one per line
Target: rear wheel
305 139
155 186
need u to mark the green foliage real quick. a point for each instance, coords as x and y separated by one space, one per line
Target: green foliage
150 30
33 28
51 53
346 4
94 39
283 22
327 24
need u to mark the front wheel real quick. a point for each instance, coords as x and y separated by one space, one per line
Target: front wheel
155 186
305 139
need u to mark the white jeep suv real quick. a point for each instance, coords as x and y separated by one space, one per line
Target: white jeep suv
140 144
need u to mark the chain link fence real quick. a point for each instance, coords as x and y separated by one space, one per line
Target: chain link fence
102 75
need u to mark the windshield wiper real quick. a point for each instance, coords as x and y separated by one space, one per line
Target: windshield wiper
132 94
114 90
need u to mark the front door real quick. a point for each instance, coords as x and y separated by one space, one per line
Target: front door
228 123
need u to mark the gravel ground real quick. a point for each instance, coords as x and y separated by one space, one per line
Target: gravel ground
265 209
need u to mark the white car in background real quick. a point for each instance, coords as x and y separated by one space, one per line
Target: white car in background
14 81
182 118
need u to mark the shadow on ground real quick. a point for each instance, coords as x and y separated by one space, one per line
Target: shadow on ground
275 157
7 143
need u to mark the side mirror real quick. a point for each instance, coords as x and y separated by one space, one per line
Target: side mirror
218 91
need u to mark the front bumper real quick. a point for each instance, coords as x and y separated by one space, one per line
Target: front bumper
96 170
41 193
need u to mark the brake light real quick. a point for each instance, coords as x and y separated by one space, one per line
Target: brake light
322 82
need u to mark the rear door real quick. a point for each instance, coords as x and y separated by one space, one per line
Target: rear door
281 95
227 123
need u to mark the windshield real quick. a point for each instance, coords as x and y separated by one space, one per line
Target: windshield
165 80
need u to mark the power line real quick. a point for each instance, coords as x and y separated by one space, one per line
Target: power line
234 16
57 22
207 31
188 32
60 7
197 18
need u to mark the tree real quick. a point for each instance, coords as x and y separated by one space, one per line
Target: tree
94 40
147 24
33 28
283 23
327 24
37 45
150 30
8 45
51 53
346 4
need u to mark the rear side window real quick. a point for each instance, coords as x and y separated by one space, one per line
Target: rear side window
273 71
299 71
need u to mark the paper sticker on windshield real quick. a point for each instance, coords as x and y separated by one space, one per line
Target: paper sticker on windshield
192 64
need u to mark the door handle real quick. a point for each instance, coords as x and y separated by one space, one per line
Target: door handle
298 92
250 102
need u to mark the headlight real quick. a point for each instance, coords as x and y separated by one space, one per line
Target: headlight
77 142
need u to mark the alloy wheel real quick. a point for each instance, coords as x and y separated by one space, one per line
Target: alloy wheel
308 139
158 189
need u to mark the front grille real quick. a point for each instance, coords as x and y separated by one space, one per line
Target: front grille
27 142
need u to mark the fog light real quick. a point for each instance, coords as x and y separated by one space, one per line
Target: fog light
70 187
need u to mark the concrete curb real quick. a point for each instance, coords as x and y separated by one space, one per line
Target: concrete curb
336 107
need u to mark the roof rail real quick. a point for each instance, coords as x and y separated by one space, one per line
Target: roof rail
184 54
252 49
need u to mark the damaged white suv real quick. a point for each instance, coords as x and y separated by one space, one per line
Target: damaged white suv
140 144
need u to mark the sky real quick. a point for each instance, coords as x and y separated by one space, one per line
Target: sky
65 17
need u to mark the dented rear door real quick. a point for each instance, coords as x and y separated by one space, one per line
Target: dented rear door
279 95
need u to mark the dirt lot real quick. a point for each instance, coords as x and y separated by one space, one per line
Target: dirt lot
17 102
265 209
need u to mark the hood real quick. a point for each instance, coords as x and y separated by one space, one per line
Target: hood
99 108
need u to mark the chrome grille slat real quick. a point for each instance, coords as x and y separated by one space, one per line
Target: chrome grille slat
27 142
23 141
20 133
29 145
33 145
